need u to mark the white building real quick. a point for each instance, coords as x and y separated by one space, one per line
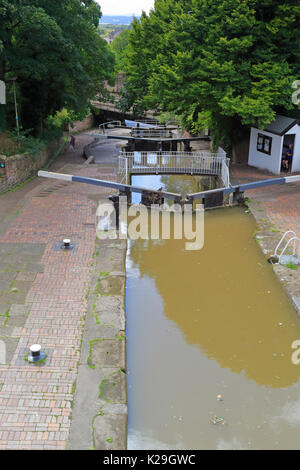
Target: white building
268 147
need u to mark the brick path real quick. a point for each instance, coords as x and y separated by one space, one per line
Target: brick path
281 202
36 400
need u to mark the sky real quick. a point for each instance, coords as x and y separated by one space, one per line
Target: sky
119 7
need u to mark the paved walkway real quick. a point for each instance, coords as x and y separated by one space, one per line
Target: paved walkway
281 202
43 300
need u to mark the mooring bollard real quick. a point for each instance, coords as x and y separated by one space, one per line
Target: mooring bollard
36 354
116 202
66 245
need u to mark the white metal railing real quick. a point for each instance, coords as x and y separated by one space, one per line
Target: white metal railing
151 132
106 125
198 163
292 240
153 122
284 239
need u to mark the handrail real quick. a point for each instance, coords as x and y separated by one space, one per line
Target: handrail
196 153
246 186
107 184
295 240
151 132
282 240
175 162
155 122
102 126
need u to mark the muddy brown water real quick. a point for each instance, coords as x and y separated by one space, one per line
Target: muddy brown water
209 343
181 184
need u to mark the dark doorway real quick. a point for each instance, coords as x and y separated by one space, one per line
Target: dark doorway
287 162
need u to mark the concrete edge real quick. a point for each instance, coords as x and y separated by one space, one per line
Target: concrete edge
99 420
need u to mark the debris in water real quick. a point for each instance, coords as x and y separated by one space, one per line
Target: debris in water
218 420
219 398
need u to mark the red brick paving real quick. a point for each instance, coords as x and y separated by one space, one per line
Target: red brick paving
281 202
36 401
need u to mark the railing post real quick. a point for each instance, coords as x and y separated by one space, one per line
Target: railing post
126 168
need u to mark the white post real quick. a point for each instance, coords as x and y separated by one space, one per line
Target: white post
16 106
126 167
2 92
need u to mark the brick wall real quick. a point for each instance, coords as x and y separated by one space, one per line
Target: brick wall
18 168
79 126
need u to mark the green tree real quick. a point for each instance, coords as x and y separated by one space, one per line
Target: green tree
227 64
119 46
56 53
145 41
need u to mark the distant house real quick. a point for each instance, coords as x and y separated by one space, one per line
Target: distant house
267 147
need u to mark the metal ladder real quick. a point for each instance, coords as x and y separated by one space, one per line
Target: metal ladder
292 240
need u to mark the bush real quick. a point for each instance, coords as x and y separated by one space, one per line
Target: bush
13 143
8 146
59 120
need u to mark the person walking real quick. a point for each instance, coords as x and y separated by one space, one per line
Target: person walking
72 143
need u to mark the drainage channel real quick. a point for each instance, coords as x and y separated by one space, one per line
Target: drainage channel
209 337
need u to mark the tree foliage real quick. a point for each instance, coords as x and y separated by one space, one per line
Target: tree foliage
226 64
119 46
55 51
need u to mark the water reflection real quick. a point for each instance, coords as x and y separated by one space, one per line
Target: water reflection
181 184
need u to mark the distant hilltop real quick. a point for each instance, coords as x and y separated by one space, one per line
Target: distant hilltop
117 20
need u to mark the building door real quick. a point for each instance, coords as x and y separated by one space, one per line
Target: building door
289 140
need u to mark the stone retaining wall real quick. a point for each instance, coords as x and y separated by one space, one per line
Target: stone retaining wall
18 168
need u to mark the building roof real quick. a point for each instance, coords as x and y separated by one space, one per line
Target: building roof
281 125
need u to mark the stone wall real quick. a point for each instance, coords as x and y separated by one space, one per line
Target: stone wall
18 168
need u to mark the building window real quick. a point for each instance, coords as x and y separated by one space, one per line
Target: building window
264 144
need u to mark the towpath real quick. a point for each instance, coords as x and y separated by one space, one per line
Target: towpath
43 298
